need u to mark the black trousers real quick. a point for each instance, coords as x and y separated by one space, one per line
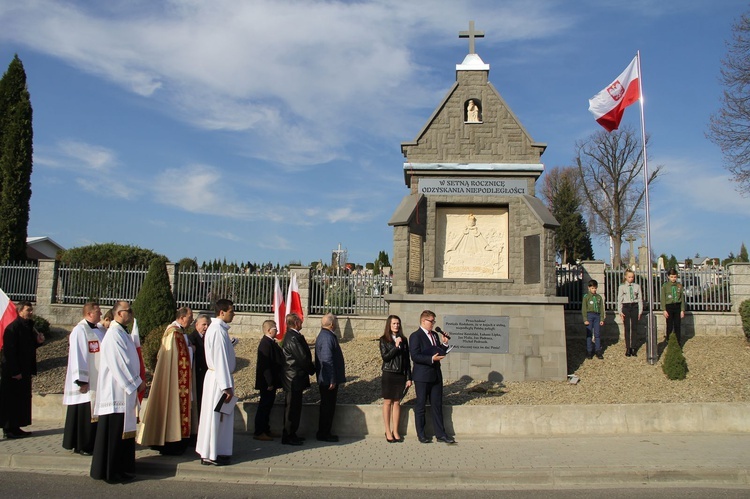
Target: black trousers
292 412
327 409
79 433
674 321
113 455
630 311
433 390
263 416
15 402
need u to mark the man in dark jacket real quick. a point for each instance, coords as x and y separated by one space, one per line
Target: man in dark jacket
20 342
199 356
298 367
268 369
329 369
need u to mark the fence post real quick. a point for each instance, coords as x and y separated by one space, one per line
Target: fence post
739 284
303 281
46 284
593 269
172 273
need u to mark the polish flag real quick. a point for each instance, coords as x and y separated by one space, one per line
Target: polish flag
8 314
136 337
279 310
608 105
293 301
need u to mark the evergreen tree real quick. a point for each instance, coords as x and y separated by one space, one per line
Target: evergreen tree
675 365
743 254
155 304
16 147
572 237
672 263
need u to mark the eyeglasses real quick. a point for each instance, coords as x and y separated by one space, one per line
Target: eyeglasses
431 320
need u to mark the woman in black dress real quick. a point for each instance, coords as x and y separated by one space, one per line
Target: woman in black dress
394 350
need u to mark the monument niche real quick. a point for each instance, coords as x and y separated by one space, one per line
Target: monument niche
471 241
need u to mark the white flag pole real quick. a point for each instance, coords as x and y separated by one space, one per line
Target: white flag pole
651 345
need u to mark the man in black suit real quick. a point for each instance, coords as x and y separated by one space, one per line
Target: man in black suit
426 353
268 367
298 367
199 356
330 371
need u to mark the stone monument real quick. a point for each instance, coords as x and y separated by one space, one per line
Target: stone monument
471 241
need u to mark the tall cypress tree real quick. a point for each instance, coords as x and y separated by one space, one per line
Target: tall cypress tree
16 148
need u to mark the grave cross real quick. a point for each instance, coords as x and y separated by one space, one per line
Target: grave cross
471 34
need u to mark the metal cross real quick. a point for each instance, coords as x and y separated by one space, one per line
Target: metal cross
471 34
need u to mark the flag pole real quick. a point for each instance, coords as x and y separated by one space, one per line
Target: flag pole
651 345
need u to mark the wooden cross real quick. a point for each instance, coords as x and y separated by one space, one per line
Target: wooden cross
471 34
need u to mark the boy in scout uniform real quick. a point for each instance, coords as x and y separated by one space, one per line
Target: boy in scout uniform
673 304
592 310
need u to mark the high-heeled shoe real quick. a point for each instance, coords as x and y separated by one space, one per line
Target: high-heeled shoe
398 439
389 440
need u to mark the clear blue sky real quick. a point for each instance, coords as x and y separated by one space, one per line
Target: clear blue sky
270 130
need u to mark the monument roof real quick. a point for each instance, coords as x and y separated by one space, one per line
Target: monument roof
405 210
540 211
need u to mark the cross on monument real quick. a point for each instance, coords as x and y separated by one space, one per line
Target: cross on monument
631 240
471 34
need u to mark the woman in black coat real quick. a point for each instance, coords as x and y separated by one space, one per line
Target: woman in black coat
394 350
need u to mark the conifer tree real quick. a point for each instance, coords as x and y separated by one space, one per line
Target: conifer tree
155 304
16 147
743 254
675 365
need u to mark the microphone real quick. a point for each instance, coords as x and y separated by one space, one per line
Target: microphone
437 329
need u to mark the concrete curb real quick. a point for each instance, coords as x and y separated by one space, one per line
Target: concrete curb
584 477
502 421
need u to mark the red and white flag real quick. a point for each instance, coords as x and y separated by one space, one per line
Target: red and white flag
279 310
136 337
8 314
608 105
293 301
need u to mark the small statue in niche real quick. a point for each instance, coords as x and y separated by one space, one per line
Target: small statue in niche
472 112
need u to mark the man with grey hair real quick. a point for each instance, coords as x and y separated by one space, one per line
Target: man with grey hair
329 369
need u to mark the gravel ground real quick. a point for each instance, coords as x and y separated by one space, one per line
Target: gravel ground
719 372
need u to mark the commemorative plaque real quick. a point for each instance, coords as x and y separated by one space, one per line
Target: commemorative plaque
478 333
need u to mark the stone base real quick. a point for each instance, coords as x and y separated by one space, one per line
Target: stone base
536 334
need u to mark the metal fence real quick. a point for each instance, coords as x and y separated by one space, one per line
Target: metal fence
570 284
18 280
77 285
250 292
349 294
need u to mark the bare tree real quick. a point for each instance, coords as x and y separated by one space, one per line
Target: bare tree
730 126
610 166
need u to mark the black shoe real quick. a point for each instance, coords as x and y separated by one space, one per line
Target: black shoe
634 352
590 355
599 354
210 462
388 439
447 440
11 435
627 352
224 460
19 431
83 452
126 477
328 438
425 440
291 441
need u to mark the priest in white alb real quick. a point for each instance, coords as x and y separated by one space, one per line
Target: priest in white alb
216 427
116 403
80 381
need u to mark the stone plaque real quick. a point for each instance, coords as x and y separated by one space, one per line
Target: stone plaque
473 186
478 333
472 242
415 258
532 259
